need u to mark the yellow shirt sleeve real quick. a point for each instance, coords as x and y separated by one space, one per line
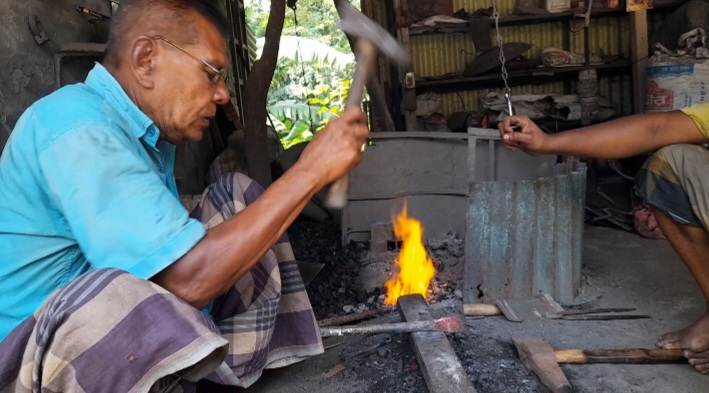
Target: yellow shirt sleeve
699 114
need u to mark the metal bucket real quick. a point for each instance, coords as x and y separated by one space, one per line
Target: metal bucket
524 223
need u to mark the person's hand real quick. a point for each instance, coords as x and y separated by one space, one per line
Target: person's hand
337 148
520 132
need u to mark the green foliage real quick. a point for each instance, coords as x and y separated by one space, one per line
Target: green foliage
257 16
305 95
301 104
317 19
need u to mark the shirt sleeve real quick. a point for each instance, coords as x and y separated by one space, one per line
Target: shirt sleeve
699 114
118 208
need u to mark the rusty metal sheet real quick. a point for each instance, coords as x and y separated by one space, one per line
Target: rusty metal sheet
435 55
524 237
505 6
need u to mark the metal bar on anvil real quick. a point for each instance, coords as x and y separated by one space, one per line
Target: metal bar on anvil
447 325
440 365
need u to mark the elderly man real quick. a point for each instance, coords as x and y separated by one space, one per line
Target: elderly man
106 283
674 182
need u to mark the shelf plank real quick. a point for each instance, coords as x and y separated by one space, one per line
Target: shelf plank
517 20
533 76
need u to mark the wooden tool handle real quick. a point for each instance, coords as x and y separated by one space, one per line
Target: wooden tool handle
336 197
627 355
481 310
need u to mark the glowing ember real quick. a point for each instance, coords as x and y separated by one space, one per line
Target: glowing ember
415 266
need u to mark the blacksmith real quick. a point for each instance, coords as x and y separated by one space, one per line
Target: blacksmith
674 183
106 282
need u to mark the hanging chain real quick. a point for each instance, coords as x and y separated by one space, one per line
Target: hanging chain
503 67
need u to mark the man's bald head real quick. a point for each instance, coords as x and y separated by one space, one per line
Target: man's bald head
169 18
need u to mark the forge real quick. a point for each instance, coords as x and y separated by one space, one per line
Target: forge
521 215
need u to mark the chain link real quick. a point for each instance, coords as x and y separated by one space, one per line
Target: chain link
503 67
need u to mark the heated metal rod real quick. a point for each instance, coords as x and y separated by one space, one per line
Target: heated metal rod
447 325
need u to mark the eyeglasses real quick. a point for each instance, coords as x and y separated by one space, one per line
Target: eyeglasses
215 74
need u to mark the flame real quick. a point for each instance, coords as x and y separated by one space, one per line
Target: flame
416 268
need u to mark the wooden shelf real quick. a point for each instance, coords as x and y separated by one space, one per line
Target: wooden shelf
532 76
517 20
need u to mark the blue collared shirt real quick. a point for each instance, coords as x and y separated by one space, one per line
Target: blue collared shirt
85 183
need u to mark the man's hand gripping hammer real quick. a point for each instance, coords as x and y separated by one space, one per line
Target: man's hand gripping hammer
371 38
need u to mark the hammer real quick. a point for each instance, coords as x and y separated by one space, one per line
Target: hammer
370 38
543 360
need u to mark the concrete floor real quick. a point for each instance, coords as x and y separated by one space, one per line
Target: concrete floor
625 271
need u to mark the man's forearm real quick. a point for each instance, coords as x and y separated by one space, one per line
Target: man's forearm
234 247
626 137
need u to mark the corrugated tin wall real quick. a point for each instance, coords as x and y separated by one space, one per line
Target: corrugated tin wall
439 54
505 6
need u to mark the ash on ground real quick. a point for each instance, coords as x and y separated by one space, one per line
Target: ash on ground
493 365
339 290
387 362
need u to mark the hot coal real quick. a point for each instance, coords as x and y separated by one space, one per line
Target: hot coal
335 291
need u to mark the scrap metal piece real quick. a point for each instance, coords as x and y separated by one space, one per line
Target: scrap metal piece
614 317
490 59
539 307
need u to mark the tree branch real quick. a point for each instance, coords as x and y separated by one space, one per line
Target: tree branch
256 94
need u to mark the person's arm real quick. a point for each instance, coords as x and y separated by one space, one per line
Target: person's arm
231 249
624 137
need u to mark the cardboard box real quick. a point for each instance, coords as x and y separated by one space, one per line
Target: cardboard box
557 5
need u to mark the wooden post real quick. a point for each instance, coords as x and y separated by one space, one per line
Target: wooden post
639 53
401 7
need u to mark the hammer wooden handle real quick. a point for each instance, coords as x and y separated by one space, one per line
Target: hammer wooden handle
337 194
336 197
627 355
481 310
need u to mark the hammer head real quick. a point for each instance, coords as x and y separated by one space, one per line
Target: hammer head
538 356
359 26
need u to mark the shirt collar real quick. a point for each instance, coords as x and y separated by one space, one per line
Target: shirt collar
108 87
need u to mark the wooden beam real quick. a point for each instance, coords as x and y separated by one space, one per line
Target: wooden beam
439 364
639 53
407 72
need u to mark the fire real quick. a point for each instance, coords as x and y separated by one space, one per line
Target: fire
416 268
